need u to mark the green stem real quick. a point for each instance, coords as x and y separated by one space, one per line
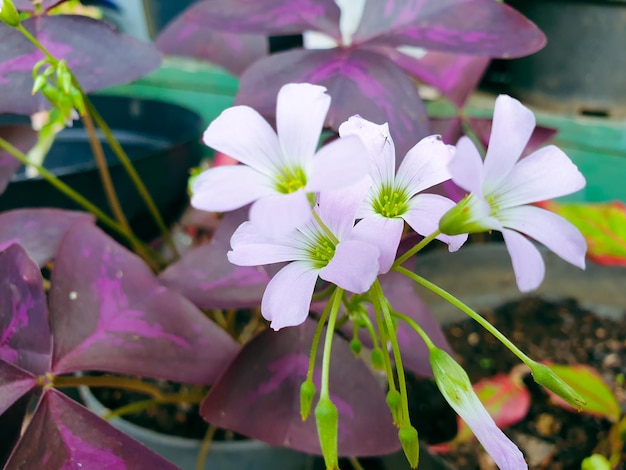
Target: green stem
467 310
383 342
205 447
108 381
132 173
138 406
37 44
328 342
317 336
415 249
418 329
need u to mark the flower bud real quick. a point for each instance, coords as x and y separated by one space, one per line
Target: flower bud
546 377
596 462
307 393
327 419
356 346
468 216
410 444
394 402
377 359
9 14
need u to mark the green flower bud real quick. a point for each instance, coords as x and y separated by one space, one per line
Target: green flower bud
596 462
377 359
394 402
327 419
40 82
64 77
9 14
356 346
410 444
465 217
546 377
307 393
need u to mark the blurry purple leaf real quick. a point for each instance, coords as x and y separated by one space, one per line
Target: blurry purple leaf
29 5
540 136
474 27
359 82
64 434
109 313
24 332
206 277
97 54
23 138
234 52
39 231
259 395
400 291
11 425
269 17
14 383
454 75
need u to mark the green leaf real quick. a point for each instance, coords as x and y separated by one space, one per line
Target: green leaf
603 225
587 382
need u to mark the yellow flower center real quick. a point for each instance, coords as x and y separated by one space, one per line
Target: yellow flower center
289 180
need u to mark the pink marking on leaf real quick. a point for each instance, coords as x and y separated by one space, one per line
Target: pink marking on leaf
18 321
83 454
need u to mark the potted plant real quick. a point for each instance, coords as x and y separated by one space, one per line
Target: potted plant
204 317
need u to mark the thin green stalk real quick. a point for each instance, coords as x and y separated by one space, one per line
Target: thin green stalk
205 447
317 336
132 173
467 310
415 249
418 329
328 342
107 381
138 406
36 42
383 344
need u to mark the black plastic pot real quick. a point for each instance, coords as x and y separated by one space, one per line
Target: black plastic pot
161 139
582 68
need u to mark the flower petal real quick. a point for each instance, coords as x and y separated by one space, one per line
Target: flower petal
227 188
288 295
336 165
300 113
512 125
466 166
424 214
354 266
337 209
527 262
545 174
425 165
384 234
550 229
242 133
278 214
379 146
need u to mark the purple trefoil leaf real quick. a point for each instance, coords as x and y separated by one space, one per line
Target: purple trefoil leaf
503 187
15 382
29 5
330 252
280 169
110 313
393 198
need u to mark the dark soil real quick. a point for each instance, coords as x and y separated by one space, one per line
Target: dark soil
550 437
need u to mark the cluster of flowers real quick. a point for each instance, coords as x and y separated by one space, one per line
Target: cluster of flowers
338 212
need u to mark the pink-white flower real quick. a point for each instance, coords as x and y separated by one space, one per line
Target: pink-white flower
328 252
502 188
392 198
279 169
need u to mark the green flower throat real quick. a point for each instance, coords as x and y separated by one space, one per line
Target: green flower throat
289 180
391 202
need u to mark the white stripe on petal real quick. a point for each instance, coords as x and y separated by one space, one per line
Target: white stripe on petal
527 262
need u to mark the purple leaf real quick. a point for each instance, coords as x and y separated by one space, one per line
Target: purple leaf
270 17
39 231
21 137
24 332
29 5
63 434
109 313
475 27
234 52
14 383
259 395
97 54
359 82
206 277
11 425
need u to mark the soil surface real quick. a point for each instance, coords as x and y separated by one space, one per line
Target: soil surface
550 436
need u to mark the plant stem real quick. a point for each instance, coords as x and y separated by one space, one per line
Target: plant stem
383 342
138 406
328 342
36 42
109 381
467 310
423 242
318 334
132 173
418 329
205 447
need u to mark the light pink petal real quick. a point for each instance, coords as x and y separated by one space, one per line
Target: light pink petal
337 209
527 262
425 165
513 123
300 112
288 295
545 174
279 214
503 451
424 214
336 165
384 234
354 266
550 229
250 247
379 146
242 133
226 188
466 166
